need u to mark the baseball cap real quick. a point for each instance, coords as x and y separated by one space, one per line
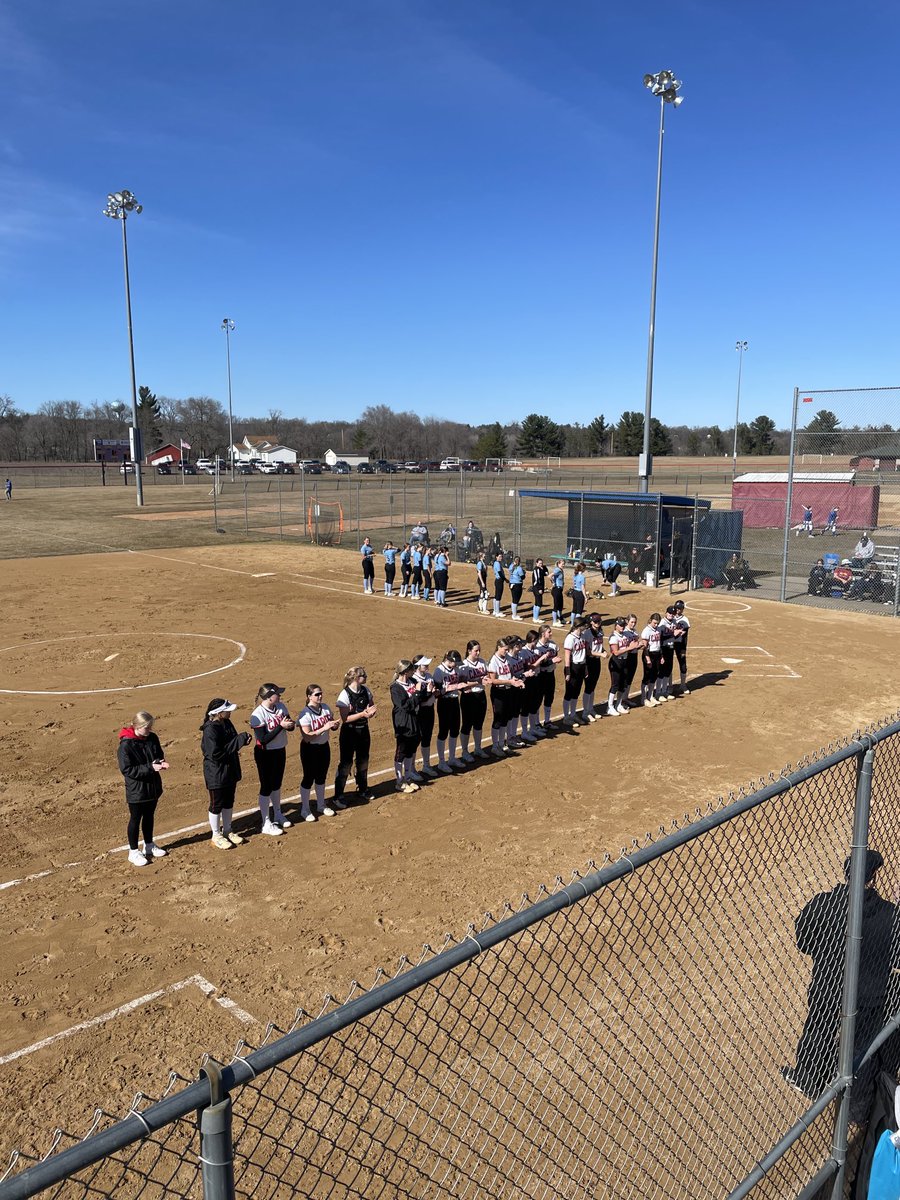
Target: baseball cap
419 660
270 689
219 705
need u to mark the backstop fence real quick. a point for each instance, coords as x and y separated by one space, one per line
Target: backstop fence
704 1016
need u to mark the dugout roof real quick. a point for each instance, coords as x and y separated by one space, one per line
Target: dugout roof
650 498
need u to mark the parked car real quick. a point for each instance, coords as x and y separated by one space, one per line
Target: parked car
366 469
386 467
188 468
326 468
311 466
493 466
203 464
126 468
283 468
413 467
163 469
343 468
469 464
515 464
244 469
267 468
450 464
431 465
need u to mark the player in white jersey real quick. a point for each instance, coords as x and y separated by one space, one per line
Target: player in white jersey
593 635
271 722
574 666
503 684
448 684
547 672
356 706
316 721
472 702
651 656
619 652
669 635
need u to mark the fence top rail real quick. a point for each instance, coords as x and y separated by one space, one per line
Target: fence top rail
136 1126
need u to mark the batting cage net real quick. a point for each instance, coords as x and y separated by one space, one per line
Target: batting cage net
714 1014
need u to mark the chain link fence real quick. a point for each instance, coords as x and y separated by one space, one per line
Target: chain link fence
693 1019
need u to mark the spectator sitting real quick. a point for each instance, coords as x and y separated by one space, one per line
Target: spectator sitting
496 546
862 551
869 585
842 577
419 533
738 574
819 580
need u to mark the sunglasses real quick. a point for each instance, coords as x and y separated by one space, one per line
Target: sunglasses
312 695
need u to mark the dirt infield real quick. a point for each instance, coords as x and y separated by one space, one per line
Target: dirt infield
275 924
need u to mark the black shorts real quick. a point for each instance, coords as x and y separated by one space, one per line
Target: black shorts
618 672
651 669
426 724
270 765
406 746
449 718
591 674
548 687
221 797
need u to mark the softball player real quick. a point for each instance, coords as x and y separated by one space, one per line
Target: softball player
472 702
651 655
557 583
448 684
270 722
405 719
499 581
547 672
441 577
539 575
522 667
502 686
427 561
516 583
316 722
633 641
620 651
356 706
405 568
416 583
481 575
579 593
684 625
574 666
670 636
221 745
390 567
534 687
424 681
593 636
367 553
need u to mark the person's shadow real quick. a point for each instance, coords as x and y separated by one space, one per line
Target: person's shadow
708 679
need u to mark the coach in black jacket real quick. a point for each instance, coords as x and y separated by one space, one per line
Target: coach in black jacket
141 761
221 745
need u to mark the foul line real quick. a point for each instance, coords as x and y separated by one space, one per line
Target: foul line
207 988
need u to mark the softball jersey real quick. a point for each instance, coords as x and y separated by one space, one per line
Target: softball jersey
579 594
594 640
448 709
315 751
269 748
501 691
499 580
667 633
577 647
354 739
390 564
619 663
473 701
684 625
630 638
652 655
516 583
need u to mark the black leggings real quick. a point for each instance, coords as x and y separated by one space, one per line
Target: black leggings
665 663
574 681
515 592
531 700
618 673
578 603
651 669
354 742
557 597
591 675
547 687
426 724
390 572
405 573
270 764
449 718
315 761
368 566
406 746
500 707
141 818
681 656
498 589
472 711
631 660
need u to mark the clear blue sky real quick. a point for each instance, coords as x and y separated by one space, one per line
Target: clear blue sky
447 205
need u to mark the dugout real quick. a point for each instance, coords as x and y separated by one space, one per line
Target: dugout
646 531
762 495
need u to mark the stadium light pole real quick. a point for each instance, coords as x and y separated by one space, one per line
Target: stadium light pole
740 347
118 206
666 86
228 326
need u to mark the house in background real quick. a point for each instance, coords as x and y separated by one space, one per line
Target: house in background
352 460
265 449
164 455
879 458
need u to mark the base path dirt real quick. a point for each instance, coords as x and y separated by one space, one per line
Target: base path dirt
278 922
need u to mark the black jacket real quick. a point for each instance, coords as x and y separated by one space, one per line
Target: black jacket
220 744
136 756
405 711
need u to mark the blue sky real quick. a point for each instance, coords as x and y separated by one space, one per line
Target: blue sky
448 206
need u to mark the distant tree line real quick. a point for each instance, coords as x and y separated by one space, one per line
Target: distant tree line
63 431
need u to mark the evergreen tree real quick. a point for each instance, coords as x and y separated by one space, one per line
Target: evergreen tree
822 435
630 435
491 442
539 436
149 419
761 430
598 431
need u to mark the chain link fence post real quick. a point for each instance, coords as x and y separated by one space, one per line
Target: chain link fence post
216 1145
857 885
246 509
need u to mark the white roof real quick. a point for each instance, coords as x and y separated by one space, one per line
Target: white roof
799 477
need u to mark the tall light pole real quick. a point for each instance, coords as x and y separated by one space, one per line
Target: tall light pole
740 347
118 206
666 86
228 326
